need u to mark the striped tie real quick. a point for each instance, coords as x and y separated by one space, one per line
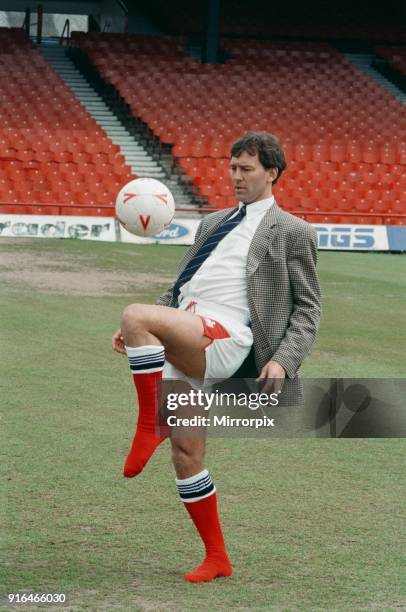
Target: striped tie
206 248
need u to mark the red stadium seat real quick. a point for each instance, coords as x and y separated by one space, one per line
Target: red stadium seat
338 152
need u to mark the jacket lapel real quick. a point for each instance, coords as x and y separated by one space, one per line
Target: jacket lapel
265 233
208 228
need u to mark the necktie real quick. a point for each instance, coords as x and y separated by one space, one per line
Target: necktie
207 247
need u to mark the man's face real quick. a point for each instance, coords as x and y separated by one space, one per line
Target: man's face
251 181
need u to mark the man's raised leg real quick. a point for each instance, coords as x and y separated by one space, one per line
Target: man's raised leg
146 364
146 333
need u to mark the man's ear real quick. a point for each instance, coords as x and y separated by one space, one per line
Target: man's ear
273 173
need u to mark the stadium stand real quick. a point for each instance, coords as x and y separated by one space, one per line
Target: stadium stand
343 134
54 158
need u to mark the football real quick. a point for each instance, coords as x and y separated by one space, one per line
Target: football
145 207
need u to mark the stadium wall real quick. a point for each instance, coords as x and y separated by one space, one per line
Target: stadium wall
182 232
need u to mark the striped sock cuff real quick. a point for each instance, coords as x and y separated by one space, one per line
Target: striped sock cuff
146 359
196 487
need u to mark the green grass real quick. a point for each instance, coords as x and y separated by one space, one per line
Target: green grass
311 524
363 330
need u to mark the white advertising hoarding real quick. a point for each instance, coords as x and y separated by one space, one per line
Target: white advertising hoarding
180 231
50 226
352 237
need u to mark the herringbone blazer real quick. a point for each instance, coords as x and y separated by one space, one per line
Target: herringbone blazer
282 286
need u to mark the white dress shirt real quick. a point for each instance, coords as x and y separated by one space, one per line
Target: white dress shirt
220 284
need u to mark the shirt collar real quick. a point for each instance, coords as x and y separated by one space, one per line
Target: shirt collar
256 208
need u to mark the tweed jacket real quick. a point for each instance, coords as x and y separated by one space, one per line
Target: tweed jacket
282 286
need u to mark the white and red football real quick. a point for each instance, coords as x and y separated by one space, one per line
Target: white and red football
145 206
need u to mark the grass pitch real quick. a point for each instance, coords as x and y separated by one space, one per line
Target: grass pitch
310 524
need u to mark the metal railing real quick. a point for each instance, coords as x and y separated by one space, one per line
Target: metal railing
67 28
380 218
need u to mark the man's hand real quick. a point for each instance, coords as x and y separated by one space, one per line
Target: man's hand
274 376
117 342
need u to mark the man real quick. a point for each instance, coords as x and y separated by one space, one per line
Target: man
249 280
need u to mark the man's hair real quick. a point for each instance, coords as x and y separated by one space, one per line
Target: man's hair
266 145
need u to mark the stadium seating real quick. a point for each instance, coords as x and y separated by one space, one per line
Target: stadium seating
52 152
342 133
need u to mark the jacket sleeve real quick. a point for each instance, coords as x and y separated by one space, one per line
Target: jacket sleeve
305 318
166 298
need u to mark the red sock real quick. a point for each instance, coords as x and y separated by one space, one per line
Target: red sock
203 513
146 439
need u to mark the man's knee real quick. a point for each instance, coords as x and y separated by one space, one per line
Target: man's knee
134 316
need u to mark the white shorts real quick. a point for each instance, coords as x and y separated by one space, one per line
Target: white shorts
230 344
